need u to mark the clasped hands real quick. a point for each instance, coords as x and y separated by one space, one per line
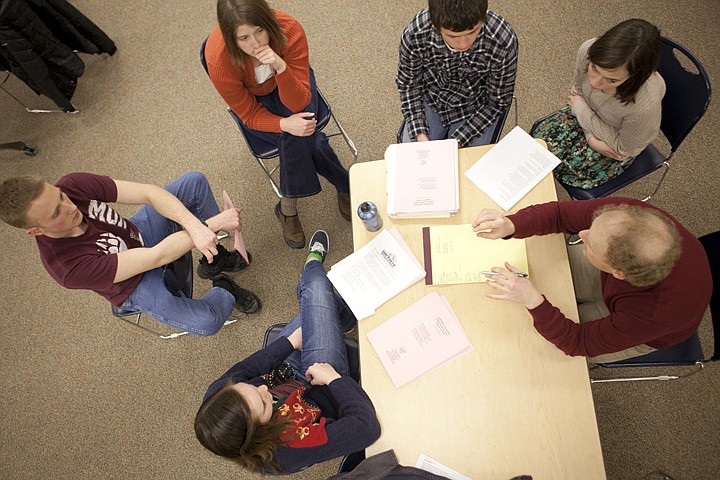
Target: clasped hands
493 225
205 239
318 373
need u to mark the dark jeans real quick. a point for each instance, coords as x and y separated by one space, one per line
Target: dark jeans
303 158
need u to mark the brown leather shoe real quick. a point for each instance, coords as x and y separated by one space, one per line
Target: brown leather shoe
344 205
292 229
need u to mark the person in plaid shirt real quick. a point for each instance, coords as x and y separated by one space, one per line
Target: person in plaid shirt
456 72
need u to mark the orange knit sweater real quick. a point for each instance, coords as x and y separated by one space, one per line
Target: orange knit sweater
238 87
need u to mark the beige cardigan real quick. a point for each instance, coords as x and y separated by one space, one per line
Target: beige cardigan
626 128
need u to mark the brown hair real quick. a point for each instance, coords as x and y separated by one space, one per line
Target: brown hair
634 44
645 243
16 195
457 15
233 13
224 426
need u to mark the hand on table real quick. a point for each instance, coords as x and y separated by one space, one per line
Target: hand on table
499 225
512 287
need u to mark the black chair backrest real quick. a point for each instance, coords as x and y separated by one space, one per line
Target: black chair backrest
202 56
687 93
178 276
711 242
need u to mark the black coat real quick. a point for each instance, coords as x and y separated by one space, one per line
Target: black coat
37 39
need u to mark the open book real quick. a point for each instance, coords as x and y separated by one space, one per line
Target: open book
422 179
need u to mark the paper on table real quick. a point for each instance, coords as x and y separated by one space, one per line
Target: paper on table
454 254
239 240
422 178
375 273
512 168
421 338
431 465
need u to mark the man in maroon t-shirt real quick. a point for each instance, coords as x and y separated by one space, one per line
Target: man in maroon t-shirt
85 244
642 281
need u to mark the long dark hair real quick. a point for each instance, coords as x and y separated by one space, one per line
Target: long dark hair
224 425
635 44
233 13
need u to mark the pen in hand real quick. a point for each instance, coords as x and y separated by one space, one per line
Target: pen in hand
517 274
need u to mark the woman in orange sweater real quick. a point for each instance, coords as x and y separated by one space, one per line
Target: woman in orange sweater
257 58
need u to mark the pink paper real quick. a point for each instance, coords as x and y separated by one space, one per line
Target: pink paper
239 240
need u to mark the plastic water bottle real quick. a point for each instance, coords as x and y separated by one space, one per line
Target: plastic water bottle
368 213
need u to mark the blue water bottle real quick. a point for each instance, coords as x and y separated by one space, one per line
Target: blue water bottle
368 213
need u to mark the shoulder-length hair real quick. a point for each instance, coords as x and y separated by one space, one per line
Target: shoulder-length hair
635 44
224 425
233 13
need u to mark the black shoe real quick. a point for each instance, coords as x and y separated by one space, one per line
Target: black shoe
224 261
245 300
319 244
343 200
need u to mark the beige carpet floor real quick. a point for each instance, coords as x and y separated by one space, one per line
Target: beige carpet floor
83 396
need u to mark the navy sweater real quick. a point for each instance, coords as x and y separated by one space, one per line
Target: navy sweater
351 423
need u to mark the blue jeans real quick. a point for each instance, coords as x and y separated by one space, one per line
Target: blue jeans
438 131
303 158
323 313
203 316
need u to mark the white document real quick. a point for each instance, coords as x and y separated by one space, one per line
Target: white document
421 338
512 168
377 272
431 465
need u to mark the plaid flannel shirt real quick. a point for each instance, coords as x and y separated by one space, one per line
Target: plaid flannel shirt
474 86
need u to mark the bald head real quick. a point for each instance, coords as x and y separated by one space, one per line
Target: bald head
641 242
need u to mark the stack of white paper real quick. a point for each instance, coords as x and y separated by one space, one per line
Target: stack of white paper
422 179
421 338
377 272
512 168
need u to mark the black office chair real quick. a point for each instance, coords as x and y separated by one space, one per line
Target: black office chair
178 279
498 127
351 348
262 150
687 97
349 462
20 146
688 352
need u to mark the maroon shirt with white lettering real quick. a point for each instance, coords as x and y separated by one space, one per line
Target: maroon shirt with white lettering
89 262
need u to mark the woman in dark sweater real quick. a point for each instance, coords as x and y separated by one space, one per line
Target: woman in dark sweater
292 404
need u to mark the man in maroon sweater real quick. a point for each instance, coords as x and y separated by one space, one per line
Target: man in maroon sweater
642 281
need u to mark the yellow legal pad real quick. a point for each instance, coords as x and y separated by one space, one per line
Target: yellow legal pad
454 254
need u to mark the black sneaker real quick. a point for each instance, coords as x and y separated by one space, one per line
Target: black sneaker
224 261
245 300
319 244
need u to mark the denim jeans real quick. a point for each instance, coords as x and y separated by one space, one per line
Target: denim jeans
203 316
323 313
438 131
303 158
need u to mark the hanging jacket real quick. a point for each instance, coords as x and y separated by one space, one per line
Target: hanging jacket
37 56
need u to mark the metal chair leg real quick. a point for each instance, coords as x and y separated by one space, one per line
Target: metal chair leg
269 173
348 140
34 110
666 164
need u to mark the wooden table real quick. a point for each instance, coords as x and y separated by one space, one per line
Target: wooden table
516 404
